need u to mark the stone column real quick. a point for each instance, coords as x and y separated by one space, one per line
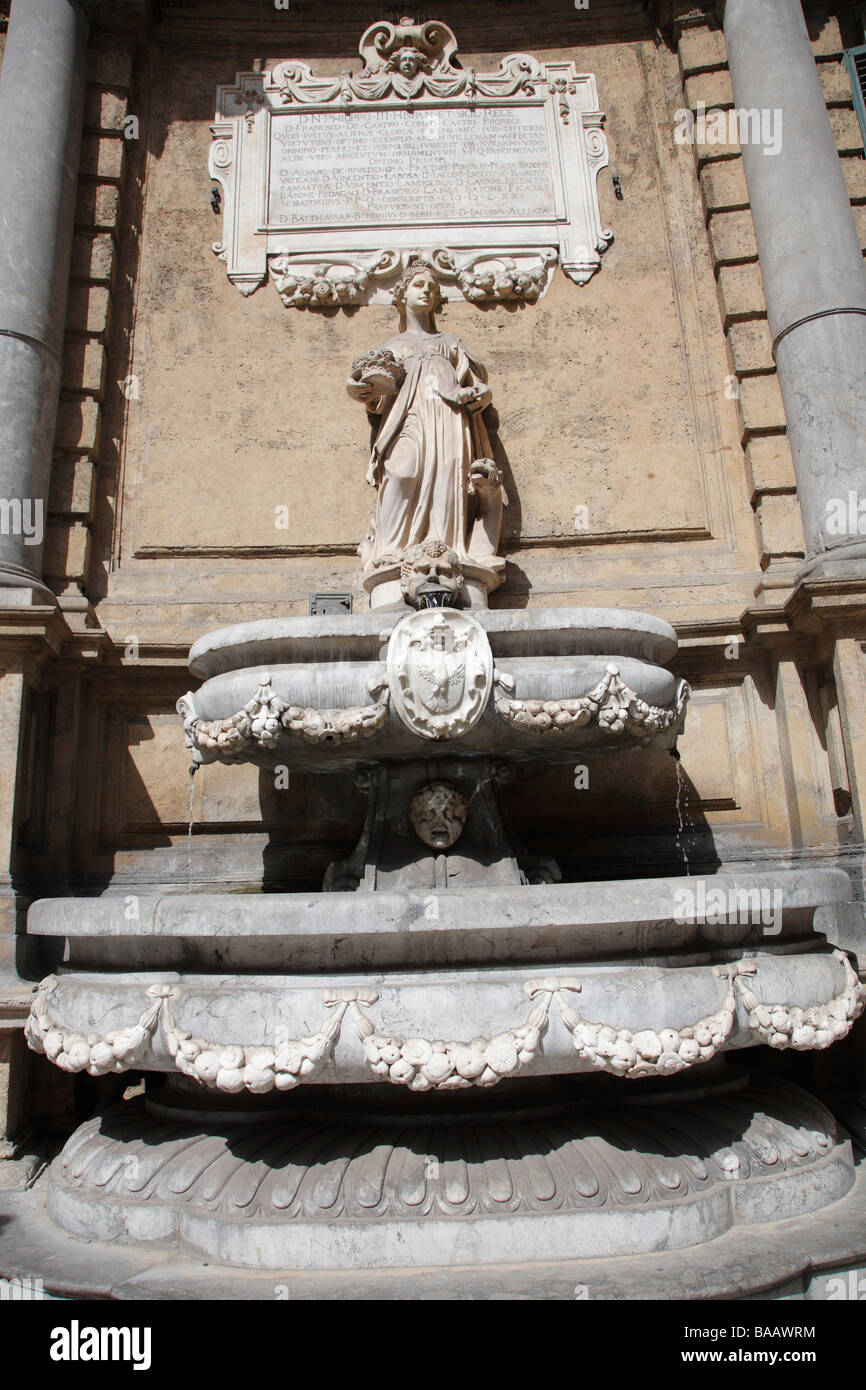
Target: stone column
812 267
41 113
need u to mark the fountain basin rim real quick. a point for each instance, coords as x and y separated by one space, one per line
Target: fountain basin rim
552 905
360 636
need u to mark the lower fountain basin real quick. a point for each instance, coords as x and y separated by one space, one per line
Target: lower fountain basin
554 1002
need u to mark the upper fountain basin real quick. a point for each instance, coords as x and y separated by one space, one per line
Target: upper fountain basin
325 692
361 637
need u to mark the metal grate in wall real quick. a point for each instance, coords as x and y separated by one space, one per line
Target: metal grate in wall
855 62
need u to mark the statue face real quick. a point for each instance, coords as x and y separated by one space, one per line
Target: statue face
438 813
422 291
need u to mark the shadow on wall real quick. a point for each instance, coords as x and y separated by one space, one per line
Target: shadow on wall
622 815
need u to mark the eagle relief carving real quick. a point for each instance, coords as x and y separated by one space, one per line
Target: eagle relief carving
440 669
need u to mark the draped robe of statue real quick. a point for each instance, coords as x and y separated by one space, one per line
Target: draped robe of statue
424 449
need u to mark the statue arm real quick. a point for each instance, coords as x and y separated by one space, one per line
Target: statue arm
473 380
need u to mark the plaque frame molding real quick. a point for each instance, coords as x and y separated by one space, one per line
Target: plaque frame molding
483 259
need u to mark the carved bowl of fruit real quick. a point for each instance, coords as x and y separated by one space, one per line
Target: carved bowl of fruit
380 370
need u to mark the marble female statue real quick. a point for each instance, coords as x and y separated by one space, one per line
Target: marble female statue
431 462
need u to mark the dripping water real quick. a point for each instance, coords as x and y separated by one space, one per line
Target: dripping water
192 771
681 815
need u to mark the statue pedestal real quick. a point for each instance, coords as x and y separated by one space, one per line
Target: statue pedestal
479 581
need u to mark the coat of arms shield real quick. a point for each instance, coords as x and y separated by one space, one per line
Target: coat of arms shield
440 669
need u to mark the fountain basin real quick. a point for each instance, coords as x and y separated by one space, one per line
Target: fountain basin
259 1011
335 1191
555 1003
330 693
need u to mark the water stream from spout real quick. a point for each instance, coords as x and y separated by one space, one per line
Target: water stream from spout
193 770
682 799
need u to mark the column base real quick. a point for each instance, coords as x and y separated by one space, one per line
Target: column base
19 588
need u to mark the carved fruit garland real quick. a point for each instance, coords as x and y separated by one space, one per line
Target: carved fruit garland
611 703
266 716
423 1064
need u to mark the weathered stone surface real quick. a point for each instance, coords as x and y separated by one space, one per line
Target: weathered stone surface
88 308
810 1256
111 66
724 185
83 367
712 88
93 257
104 109
66 550
751 346
551 631
742 290
835 82
700 49
78 424
761 403
781 525
102 156
732 235
854 170
846 129
556 921
770 463
72 485
828 40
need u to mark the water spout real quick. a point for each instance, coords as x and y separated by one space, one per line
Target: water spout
681 812
435 598
192 771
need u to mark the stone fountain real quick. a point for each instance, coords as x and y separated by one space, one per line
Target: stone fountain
448 1056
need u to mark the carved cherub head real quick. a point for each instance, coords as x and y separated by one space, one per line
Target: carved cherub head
430 568
438 813
408 61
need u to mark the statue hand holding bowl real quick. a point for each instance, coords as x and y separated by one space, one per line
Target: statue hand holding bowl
431 461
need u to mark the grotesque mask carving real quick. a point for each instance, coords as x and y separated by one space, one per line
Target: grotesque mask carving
431 576
438 813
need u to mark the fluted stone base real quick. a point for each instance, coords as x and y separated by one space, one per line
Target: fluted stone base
313 1190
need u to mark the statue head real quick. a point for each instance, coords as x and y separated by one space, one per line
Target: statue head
428 571
419 287
438 813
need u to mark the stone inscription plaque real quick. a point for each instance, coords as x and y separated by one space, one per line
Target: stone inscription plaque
331 183
419 166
